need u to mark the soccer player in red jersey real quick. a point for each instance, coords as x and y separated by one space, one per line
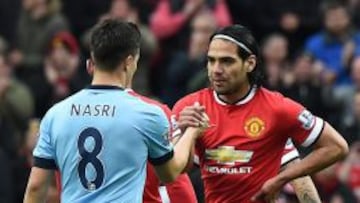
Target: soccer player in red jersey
240 152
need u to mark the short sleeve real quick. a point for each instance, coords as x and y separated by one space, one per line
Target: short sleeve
290 153
303 127
44 150
156 133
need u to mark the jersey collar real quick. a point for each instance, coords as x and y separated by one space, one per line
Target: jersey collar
104 87
251 93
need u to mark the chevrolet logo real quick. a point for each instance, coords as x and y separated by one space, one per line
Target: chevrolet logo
228 155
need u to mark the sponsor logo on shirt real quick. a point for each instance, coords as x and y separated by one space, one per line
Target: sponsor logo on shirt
306 119
227 155
254 126
224 170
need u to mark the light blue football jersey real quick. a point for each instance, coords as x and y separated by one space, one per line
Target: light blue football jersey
100 139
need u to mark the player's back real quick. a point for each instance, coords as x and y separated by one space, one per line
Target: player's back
101 144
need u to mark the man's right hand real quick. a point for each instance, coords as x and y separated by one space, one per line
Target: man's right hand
193 116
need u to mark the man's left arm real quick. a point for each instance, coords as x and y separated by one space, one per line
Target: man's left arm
328 148
304 187
38 185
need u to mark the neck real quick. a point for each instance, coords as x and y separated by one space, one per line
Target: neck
109 78
236 96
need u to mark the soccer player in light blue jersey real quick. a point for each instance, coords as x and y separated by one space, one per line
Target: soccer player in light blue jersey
101 138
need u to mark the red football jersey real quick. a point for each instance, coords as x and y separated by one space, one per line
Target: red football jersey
244 144
180 190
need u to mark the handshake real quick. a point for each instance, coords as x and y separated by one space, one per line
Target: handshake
193 116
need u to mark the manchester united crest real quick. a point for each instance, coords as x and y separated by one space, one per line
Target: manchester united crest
254 126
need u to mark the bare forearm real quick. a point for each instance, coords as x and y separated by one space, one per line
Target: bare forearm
305 190
38 185
329 148
183 149
315 161
304 187
34 197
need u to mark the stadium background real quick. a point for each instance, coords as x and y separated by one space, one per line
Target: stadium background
310 52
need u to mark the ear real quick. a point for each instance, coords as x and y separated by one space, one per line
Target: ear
90 66
251 63
129 61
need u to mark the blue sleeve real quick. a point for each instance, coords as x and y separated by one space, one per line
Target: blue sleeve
44 149
160 150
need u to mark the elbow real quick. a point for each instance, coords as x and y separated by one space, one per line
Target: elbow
343 149
340 149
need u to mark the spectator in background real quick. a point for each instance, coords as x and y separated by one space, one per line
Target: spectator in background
23 165
354 7
351 128
304 88
127 10
295 19
61 68
16 107
275 53
334 47
349 170
185 65
345 94
331 189
6 186
39 21
170 24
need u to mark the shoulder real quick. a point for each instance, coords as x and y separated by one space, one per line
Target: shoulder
190 99
270 96
315 40
150 102
275 100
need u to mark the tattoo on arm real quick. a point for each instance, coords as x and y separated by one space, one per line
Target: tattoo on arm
306 197
304 187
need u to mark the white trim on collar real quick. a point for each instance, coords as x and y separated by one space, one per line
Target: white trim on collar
244 100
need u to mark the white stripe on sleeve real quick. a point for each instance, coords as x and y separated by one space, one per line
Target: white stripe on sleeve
315 133
289 156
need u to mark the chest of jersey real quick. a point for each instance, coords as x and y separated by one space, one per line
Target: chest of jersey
238 135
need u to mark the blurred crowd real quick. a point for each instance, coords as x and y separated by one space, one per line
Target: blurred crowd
310 53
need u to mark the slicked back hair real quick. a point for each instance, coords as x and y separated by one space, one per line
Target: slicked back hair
247 45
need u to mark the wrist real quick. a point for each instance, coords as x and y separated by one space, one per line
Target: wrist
194 132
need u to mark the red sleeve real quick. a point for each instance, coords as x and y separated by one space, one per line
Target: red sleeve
163 23
222 14
303 127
